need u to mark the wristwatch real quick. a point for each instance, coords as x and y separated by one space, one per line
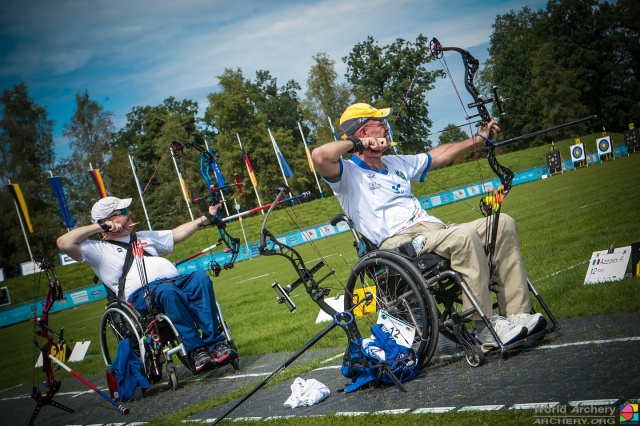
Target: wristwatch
104 226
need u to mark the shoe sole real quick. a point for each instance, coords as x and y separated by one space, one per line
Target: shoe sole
206 367
523 333
225 359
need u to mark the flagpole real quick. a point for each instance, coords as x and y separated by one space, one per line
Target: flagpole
135 177
24 232
311 166
333 129
273 142
246 243
182 185
255 189
224 202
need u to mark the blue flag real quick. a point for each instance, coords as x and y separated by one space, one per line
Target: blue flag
58 192
286 170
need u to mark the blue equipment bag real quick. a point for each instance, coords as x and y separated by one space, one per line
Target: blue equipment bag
365 359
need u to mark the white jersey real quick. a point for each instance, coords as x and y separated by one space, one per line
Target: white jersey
107 260
380 202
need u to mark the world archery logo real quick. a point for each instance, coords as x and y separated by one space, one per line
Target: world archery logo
629 414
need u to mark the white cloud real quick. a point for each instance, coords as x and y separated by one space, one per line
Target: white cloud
136 53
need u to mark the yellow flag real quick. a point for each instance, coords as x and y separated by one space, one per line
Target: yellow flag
16 192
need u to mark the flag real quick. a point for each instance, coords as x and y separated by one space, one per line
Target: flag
286 170
97 179
216 169
58 192
16 192
252 175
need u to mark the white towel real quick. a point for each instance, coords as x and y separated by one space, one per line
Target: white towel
305 393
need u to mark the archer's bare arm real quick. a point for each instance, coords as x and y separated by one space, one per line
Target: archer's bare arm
184 231
443 155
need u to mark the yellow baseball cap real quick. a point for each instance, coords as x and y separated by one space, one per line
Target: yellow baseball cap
358 114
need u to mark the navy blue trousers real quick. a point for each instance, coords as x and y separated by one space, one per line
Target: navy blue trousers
190 303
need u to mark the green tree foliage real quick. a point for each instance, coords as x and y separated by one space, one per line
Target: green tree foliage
89 132
382 76
26 156
147 136
247 110
575 58
326 98
452 133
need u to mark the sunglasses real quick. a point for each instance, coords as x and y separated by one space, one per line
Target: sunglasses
121 212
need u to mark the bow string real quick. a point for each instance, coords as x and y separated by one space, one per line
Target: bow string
471 66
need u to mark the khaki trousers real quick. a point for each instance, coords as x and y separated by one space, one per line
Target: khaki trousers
463 245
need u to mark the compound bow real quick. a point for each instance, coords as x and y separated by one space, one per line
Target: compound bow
54 293
491 203
208 165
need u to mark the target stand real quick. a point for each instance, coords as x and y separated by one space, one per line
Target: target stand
605 148
554 162
632 140
578 155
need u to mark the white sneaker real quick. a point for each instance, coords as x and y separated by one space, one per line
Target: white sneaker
506 331
533 322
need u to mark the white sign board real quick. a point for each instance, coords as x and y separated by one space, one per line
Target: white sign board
66 260
605 266
28 268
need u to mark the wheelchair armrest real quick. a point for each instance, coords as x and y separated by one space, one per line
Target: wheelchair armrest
341 218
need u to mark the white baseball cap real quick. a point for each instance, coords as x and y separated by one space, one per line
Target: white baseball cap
107 205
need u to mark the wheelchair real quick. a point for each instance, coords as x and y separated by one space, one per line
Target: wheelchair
154 339
423 291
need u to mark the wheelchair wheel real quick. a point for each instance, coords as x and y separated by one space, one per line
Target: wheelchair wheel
172 375
120 322
396 285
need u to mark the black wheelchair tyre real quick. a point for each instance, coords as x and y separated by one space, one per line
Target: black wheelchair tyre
399 292
119 322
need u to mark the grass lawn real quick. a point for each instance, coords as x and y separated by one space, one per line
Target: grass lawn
561 220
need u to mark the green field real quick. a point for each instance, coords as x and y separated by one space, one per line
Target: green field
561 220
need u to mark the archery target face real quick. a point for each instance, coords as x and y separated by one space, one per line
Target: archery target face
577 152
604 145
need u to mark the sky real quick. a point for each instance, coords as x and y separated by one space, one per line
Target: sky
140 52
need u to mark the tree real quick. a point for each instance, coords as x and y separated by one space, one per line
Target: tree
147 136
586 60
26 155
452 133
325 98
247 109
393 76
90 132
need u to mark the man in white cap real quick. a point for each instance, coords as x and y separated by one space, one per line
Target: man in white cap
375 192
183 298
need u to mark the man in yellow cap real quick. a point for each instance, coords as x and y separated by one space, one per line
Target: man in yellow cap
375 192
